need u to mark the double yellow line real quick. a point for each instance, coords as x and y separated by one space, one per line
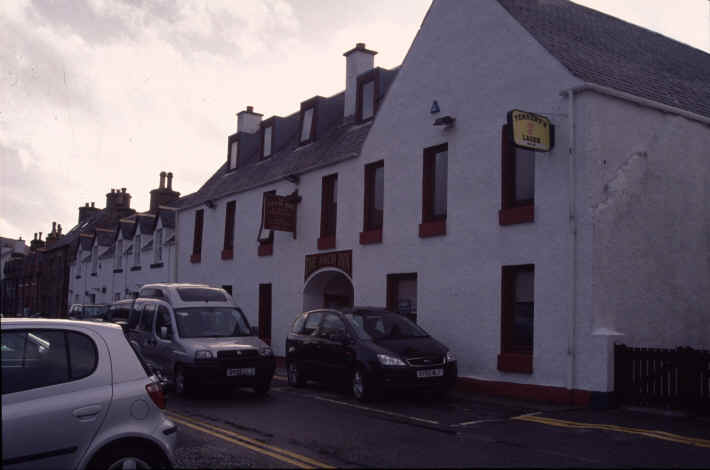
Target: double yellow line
300 461
666 436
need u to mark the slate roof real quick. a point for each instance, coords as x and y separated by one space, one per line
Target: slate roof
607 51
338 139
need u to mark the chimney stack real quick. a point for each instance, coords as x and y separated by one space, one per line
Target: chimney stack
162 180
358 60
248 121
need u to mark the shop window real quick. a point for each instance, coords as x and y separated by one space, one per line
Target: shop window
233 151
374 203
266 244
197 237
517 182
517 318
434 191
228 250
402 294
329 212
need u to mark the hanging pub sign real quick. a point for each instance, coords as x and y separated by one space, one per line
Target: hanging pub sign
531 131
280 212
342 260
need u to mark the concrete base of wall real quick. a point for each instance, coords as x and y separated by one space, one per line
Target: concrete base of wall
540 393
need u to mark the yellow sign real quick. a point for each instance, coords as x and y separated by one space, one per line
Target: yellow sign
531 130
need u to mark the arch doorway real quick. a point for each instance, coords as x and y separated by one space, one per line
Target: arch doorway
328 288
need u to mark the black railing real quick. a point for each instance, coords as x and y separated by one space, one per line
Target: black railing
664 378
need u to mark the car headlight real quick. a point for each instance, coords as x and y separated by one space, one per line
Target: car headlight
203 354
266 352
386 360
450 357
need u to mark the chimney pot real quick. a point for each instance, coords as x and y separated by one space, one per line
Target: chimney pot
59 229
123 190
92 204
86 205
170 180
40 236
250 109
360 45
162 179
54 227
35 237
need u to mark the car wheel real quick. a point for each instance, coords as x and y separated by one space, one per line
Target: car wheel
182 386
360 385
128 457
263 388
295 377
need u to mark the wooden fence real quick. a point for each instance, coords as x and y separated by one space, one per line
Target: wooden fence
664 378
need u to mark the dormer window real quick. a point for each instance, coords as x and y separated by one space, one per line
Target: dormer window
267 136
367 89
233 152
306 125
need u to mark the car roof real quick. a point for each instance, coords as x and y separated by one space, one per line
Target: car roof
56 323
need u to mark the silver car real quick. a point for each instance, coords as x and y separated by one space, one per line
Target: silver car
76 395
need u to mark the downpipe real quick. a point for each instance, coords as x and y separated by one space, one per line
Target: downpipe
571 333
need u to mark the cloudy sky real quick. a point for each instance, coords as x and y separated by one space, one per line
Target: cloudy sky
101 94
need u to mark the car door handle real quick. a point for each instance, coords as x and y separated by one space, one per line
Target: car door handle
87 411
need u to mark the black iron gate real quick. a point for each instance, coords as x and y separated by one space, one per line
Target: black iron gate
664 378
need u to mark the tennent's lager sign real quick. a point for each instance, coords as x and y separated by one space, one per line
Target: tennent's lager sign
531 130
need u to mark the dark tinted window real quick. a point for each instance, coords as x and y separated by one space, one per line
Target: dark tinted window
196 294
298 324
33 359
383 325
121 313
331 324
312 323
152 293
82 354
146 323
134 316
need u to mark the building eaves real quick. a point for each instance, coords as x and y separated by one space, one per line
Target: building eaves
607 51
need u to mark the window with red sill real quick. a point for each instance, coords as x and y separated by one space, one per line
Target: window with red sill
374 203
228 249
197 237
328 212
434 189
517 181
266 243
517 318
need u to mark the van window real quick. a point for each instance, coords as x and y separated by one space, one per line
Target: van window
152 293
134 316
163 319
146 322
211 322
201 294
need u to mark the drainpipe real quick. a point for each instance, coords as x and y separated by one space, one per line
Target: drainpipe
571 347
176 254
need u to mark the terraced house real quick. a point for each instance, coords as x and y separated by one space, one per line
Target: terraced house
529 186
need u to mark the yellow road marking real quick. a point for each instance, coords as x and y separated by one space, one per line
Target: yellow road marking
250 443
377 410
666 436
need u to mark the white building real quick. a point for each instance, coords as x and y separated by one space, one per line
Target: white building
530 265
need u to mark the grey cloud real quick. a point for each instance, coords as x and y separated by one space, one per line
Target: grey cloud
30 195
33 68
79 17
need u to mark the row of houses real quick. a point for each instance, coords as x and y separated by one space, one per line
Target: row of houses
529 250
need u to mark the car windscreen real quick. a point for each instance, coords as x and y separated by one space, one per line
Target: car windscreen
211 322
201 294
383 325
94 311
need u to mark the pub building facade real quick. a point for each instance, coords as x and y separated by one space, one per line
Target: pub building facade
528 203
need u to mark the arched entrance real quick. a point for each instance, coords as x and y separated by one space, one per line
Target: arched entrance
328 288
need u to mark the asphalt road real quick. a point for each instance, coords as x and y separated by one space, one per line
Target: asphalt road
321 426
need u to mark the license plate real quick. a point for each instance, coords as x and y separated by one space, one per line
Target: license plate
423 374
238 372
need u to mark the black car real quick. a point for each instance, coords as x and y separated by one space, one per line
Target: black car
374 349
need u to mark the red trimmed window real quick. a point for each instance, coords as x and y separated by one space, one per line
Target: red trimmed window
267 138
434 191
366 98
517 316
309 121
197 238
228 250
374 203
266 245
518 181
328 212
232 152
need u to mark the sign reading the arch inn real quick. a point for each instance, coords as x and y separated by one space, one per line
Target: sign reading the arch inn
342 260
